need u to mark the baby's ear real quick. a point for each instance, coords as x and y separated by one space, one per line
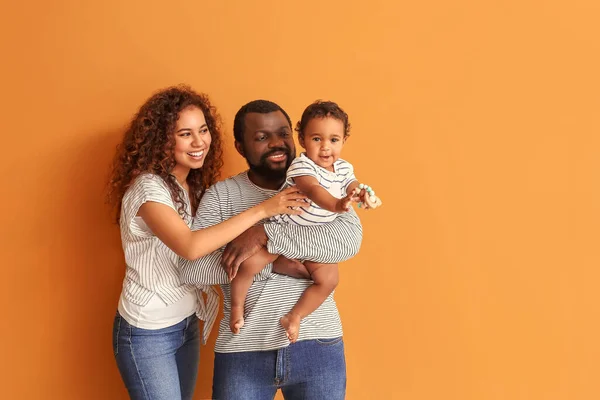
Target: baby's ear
301 141
346 137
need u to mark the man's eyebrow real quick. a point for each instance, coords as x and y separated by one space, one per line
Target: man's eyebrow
264 130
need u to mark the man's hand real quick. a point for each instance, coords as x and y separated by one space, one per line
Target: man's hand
293 268
242 248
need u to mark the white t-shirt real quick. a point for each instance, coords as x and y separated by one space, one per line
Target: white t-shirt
335 182
153 295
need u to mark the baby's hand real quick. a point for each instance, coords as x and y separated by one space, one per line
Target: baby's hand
344 204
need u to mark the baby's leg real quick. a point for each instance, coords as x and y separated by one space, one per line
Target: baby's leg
325 278
242 282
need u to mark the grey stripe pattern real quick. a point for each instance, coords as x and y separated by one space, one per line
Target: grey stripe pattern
271 295
335 182
152 267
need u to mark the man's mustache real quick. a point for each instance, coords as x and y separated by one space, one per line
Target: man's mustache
284 150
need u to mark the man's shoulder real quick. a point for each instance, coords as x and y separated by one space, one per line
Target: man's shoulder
229 184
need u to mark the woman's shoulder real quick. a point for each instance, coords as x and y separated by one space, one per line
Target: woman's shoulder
148 183
149 180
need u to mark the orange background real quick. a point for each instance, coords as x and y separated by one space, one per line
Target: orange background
476 121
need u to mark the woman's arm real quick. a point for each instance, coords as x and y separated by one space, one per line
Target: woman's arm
168 226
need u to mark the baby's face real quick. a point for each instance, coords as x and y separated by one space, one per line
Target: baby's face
323 141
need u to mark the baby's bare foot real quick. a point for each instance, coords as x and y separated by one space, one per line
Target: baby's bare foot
236 321
291 324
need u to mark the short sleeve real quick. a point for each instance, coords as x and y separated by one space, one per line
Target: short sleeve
346 170
301 166
144 189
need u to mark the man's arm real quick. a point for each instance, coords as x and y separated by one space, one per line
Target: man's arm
208 270
329 243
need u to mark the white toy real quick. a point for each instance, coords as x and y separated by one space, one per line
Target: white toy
367 197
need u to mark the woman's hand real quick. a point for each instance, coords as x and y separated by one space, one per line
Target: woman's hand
288 201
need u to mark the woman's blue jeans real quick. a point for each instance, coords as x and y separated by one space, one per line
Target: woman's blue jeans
159 364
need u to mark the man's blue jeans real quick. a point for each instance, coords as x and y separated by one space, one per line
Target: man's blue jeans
308 370
159 364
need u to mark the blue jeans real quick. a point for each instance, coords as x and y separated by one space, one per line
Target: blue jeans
158 364
308 370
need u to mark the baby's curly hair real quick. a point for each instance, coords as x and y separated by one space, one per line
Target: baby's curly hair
322 109
148 145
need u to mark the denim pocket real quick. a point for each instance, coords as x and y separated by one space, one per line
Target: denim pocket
329 342
116 331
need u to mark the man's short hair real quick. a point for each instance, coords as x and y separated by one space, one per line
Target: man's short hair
255 106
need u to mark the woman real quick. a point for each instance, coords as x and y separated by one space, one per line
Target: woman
169 156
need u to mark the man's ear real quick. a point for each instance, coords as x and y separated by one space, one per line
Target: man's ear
239 148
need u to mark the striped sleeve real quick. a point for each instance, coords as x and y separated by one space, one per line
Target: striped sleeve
206 270
301 166
329 243
144 189
349 177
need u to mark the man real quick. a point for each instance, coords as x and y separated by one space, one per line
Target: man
259 360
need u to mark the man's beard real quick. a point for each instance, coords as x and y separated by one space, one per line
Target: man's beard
263 169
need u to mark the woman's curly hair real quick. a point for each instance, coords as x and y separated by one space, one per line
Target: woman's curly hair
148 145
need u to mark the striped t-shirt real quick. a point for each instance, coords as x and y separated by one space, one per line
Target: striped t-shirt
152 267
335 182
271 295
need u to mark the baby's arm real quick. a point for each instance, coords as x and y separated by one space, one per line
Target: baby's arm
351 188
318 194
